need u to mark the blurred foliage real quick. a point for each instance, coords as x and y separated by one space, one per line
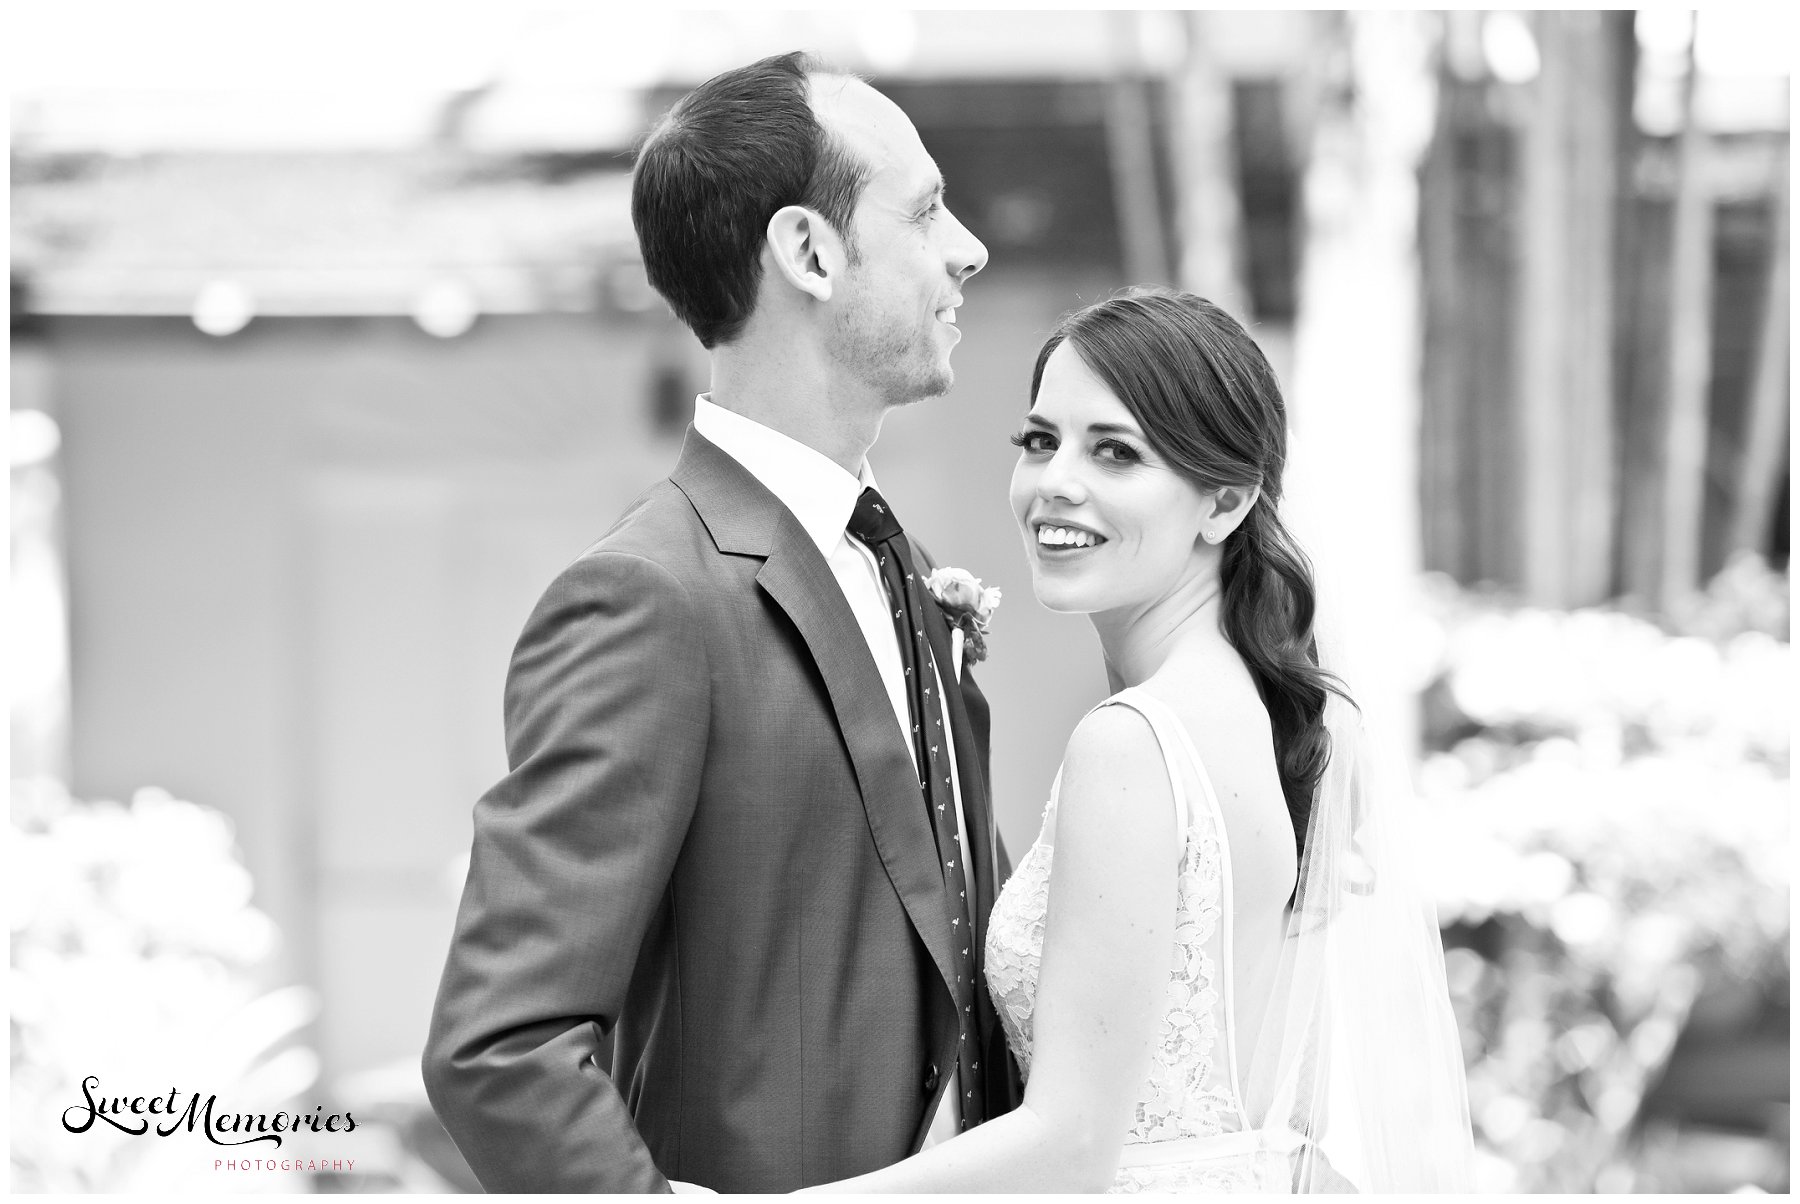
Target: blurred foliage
137 957
1610 814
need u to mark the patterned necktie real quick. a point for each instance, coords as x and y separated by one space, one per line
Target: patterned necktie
874 523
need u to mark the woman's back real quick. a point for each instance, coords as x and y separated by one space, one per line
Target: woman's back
1224 721
1190 1129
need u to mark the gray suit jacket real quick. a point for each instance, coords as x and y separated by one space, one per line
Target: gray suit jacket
711 853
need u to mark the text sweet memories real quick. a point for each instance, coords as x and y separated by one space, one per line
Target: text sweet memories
133 1114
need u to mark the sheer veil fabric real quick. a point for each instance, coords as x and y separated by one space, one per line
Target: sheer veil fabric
1359 1058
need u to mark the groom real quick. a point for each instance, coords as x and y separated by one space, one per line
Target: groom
729 840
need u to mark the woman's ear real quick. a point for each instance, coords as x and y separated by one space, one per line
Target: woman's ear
1230 506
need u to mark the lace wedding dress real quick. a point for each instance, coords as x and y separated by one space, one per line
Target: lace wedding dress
1191 1131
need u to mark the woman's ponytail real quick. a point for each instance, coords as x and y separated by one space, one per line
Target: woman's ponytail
1269 603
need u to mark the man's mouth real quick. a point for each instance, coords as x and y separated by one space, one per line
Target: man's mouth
947 315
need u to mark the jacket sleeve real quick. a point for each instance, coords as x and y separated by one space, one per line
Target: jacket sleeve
606 726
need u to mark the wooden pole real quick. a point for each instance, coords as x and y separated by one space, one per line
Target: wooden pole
1565 312
1761 460
1208 215
1543 319
1593 148
1643 370
1131 159
1445 438
1353 471
39 577
1690 357
1632 559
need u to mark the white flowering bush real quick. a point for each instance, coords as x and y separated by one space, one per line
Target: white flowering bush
138 958
1609 803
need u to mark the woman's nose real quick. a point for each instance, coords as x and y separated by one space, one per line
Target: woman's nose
1061 478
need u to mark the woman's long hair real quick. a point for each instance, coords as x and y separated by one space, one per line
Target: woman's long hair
1209 403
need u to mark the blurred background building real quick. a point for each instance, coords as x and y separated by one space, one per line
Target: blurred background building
331 346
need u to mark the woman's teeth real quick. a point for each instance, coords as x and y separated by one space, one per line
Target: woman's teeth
1067 537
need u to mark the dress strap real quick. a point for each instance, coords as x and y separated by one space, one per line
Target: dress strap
1172 733
1136 699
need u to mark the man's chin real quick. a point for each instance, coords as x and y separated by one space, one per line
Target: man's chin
903 389
935 385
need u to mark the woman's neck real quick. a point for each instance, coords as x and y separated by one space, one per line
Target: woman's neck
1138 641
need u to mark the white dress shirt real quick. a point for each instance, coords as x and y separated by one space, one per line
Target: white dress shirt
821 495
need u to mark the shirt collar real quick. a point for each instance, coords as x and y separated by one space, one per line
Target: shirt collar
810 484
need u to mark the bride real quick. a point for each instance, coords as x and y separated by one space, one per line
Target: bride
1215 969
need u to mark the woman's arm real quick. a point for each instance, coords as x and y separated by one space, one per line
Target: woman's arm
1102 987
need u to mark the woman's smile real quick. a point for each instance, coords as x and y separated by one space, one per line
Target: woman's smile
1059 539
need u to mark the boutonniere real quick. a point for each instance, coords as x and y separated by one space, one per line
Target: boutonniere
968 605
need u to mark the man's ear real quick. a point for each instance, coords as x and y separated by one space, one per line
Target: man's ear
806 251
1231 505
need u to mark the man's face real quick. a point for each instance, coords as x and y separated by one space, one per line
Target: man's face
894 321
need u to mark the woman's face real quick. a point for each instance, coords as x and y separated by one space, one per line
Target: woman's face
1108 523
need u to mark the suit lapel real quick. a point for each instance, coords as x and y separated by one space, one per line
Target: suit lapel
745 518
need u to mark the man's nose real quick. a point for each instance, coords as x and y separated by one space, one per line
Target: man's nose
966 254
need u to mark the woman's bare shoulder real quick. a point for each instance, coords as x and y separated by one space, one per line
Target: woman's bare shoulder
1115 806
1111 742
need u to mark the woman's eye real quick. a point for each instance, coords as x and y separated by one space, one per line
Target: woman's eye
1033 442
1117 452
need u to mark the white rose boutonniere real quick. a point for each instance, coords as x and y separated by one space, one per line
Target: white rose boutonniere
968 605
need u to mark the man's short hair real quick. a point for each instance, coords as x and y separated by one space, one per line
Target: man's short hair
713 172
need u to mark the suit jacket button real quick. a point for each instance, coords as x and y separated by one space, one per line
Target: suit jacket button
931 1079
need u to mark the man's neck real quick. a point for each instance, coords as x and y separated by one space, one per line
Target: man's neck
789 395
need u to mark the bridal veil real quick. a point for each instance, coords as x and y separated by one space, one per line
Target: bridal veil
1359 1061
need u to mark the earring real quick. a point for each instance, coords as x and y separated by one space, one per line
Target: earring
1212 537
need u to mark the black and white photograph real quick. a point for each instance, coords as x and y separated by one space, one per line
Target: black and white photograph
610 599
